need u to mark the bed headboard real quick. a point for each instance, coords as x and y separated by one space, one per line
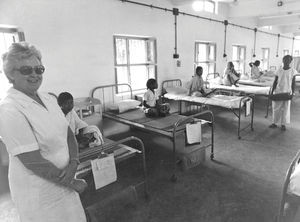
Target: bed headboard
212 75
110 94
170 83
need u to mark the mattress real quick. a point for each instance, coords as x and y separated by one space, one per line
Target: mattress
230 102
248 89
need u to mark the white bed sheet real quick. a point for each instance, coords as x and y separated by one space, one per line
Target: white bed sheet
258 90
257 82
230 102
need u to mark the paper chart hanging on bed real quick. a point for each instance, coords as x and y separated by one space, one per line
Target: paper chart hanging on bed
193 133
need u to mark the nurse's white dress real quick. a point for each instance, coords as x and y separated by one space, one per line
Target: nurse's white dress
25 126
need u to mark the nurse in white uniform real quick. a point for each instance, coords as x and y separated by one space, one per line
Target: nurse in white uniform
42 149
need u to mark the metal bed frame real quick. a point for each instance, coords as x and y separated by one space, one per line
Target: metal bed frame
110 146
285 195
178 82
244 92
173 131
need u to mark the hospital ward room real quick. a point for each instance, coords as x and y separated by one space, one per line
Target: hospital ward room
150 111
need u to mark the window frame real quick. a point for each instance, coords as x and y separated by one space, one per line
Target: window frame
265 60
17 36
240 61
128 64
208 61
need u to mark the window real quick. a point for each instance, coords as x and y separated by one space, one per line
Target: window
239 58
205 56
135 60
7 37
265 58
285 52
205 5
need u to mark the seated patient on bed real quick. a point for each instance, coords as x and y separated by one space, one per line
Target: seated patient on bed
196 86
230 77
87 136
255 70
152 103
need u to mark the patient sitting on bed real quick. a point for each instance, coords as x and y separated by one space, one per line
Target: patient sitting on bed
230 77
255 70
196 86
152 103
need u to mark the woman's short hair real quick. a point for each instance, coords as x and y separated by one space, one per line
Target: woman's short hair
151 83
63 98
17 52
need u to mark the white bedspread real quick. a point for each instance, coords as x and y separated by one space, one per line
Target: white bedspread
230 102
267 81
258 90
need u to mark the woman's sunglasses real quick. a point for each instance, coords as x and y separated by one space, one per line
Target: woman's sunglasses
28 70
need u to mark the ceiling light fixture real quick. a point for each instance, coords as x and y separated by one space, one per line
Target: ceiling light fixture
280 3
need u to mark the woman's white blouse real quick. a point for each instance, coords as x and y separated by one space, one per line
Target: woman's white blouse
25 126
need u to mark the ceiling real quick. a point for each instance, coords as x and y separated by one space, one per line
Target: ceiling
282 14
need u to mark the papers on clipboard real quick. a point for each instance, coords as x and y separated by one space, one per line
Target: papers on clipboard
248 107
193 133
104 170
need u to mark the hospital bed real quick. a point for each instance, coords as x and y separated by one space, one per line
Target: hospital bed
265 80
172 126
121 153
285 190
173 90
213 82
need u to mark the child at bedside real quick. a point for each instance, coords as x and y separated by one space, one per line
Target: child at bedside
87 136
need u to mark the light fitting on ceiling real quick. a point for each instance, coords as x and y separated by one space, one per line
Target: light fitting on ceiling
280 3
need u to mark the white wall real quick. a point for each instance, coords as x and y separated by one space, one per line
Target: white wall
76 39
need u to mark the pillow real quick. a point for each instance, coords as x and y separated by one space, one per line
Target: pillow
124 105
177 90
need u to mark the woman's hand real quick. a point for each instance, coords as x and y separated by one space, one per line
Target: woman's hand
79 185
69 173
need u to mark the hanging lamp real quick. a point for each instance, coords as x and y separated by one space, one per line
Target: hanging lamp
277 45
225 35
254 46
175 13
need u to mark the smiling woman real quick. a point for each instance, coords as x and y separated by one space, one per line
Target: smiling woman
43 150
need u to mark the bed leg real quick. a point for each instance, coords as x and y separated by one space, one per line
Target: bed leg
268 104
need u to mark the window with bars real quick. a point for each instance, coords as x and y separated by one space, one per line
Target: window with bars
7 37
239 58
205 56
265 58
135 61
